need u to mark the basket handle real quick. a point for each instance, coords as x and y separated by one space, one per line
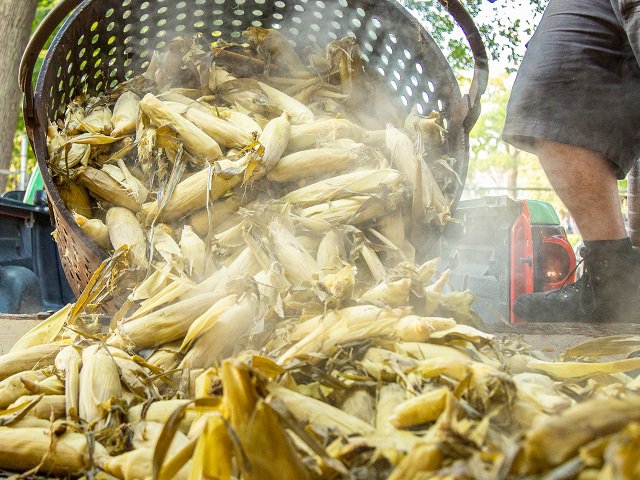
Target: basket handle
480 59
32 52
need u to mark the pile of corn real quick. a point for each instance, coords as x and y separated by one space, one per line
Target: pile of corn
273 323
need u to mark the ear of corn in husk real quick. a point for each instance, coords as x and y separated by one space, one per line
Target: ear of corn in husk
125 114
124 229
105 187
99 383
195 140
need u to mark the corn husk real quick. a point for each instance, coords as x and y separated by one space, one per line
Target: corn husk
38 356
220 213
312 163
223 132
194 254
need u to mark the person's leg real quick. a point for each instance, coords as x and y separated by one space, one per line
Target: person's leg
587 184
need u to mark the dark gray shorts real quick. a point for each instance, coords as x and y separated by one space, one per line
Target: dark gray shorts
579 84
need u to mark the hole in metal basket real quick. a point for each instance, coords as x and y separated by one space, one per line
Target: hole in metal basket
68 57
420 108
368 47
431 86
113 83
95 39
426 98
407 89
407 54
335 25
112 62
382 72
198 13
440 105
94 26
320 4
82 52
199 24
238 12
414 80
181 5
144 65
332 35
298 8
343 3
388 48
98 63
162 22
162 10
111 40
294 31
126 14
279 4
338 13
236 23
69 68
81 40
394 84
144 5
361 12
256 23
238 34
180 28
372 35
109 13
384 59
312 37
59 72
405 102
419 68
396 74
356 23
318 15
376 23
297 20
161 34
315 27
278 16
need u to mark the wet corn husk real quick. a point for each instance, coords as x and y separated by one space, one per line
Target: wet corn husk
274 323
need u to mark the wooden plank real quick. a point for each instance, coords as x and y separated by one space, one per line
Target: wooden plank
12 327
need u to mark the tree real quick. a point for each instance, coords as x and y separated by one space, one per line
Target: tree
16 19
501 33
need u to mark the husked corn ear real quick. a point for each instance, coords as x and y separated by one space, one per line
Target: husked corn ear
221 212
223 132
95 229
132 184
124 229
356 183
40 356
298 265
194 253
68 364
125 114
23 449
99 383
49 406
105 187
312 163
274 138
14 387
195 140
321 132
421 409
423 459
298 111
76 199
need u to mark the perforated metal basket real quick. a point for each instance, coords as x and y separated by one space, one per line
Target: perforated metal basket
103 42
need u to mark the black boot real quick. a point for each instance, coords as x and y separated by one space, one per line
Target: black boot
607 291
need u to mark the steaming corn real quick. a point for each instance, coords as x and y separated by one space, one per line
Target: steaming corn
276 285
